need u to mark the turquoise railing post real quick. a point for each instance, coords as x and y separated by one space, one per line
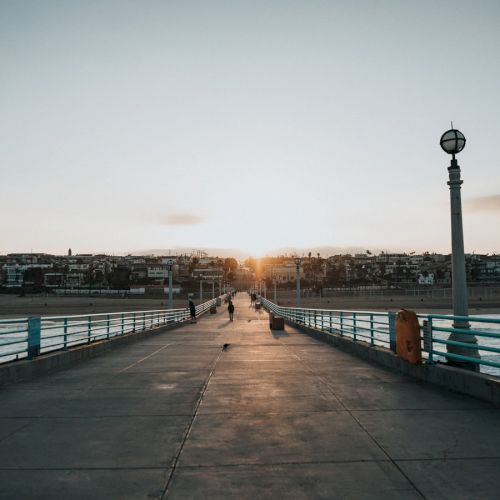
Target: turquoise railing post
123 323
371 330
341 324
65 338
427 337
143 321
315 322
133 326
89 329
330 329
107 326
392 331
354 326
34 334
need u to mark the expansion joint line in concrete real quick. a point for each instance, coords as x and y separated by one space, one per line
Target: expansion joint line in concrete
143 359
14 431
379 446
189 427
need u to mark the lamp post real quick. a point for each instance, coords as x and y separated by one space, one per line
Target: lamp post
201 290
170 266
298 260
452 142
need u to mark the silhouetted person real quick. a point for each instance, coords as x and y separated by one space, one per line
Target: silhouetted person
230 309
192 310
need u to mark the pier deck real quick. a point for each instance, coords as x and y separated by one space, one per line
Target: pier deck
176 415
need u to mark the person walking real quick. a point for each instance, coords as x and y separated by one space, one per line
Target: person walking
230 309
192 310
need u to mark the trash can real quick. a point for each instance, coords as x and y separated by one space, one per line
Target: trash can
408 337
271 316
278 323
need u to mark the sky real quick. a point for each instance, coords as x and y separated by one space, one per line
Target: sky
250 125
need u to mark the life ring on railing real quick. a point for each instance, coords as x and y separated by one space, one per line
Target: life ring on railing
408 337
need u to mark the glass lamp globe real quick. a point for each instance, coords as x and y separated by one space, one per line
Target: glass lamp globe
452 141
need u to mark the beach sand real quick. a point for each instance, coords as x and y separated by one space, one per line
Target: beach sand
421 305
13 306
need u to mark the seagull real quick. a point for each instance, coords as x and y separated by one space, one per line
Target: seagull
225 346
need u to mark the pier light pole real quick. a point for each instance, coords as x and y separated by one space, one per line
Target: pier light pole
170 267
298 260
452 142
201 289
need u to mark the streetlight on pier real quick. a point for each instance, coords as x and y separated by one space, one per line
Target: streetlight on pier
273 276
452 142
170 267
298 260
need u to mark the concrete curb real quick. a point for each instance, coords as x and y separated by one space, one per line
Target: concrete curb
473 384
25 369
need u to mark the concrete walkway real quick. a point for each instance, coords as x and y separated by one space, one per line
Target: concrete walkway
276 414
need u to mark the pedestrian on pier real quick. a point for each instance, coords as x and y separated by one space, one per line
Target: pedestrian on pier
230 309
192 310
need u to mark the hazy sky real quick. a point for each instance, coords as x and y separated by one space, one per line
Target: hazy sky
128 125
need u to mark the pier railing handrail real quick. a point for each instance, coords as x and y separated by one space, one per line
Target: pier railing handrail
378 329
108 314
35 335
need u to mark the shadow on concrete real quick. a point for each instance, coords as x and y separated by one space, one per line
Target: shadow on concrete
226 323
279 333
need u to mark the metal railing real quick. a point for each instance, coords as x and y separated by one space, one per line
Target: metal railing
379 329
30 337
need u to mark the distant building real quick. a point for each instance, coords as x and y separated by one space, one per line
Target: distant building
426 280
282 273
